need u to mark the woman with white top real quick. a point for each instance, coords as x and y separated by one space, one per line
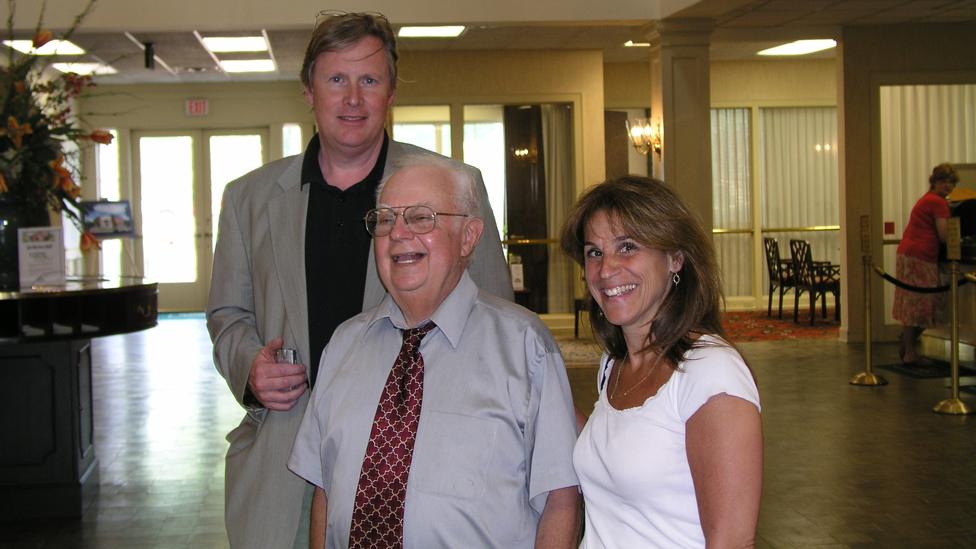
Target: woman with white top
671 455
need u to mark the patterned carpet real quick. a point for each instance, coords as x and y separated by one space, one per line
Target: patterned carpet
741 326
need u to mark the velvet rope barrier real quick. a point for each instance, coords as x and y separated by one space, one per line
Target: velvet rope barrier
916 289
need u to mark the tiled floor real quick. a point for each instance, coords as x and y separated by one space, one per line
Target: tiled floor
845 466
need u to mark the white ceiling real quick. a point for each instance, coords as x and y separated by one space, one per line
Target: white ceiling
742 27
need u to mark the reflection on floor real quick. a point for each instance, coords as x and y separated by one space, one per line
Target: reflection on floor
845 466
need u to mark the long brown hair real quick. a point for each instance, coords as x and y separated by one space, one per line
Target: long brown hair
653 215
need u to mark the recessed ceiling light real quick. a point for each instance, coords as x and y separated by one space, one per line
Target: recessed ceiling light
446 31
247 65
85 68
800 47
54 47
632 44
235 43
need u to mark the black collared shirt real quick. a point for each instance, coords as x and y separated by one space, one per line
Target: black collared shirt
336 248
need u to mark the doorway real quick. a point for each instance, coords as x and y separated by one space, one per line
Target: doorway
178 180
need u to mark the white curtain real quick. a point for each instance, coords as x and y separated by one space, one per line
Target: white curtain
557 143
921 126
798 176
732 198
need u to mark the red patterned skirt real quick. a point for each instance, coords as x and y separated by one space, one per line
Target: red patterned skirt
912 308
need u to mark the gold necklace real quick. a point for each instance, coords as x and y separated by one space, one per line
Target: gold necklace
616 382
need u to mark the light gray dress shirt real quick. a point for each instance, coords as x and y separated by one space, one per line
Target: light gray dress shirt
496 432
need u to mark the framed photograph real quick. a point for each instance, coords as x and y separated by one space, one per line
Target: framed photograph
105 219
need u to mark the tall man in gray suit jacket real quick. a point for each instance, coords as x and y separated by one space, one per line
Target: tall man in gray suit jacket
294 260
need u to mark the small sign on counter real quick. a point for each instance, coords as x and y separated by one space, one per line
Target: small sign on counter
41 256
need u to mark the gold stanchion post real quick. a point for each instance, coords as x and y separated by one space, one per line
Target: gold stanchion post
953 405
867 377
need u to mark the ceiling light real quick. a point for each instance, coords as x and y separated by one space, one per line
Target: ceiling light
235 43
632 44
85 68
447 31
247 65
54 47
800 47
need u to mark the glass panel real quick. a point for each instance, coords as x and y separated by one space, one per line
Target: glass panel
73 260
484 148
168 222
231 156
425 126
798 167
291 139
732 199
109 186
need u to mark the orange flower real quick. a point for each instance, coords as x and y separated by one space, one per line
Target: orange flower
42 37
57 165
63 178
89 242
101 136
16 132
3 184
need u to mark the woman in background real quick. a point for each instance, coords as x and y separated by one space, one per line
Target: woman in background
672 453
917 262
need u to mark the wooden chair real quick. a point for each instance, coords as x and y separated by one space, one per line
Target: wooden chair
780 274
817 278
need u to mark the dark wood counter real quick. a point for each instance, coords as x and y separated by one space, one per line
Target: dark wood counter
79 308
48 466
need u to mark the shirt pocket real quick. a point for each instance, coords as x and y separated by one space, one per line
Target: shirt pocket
453 457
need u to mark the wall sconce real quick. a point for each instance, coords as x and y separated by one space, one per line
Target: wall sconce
645 134
523 153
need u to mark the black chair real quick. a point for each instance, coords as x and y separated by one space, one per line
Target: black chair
579 306
780 274
817 278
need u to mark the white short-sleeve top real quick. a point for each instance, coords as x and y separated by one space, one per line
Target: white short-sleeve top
632 464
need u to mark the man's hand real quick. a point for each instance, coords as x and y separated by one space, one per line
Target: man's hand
277 386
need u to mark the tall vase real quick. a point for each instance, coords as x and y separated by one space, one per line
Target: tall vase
13 216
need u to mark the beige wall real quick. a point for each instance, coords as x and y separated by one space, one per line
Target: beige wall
794 83
161 106
627 85
869 58
734 83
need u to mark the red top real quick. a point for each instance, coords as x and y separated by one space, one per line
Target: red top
921 239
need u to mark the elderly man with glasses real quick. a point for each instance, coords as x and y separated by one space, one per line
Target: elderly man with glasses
443 416
293 262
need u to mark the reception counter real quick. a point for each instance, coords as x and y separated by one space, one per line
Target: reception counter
48 466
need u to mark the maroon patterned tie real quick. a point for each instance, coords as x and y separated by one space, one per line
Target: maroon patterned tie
377 516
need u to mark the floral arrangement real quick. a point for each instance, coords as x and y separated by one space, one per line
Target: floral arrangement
36 122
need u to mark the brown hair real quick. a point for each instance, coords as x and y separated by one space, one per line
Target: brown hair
338 31
943 172
653 215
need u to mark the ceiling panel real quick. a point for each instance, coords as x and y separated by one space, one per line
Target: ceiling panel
742 28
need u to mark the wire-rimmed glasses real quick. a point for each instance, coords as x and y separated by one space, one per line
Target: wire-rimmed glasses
419 219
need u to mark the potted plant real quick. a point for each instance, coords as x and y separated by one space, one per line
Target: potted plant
36 122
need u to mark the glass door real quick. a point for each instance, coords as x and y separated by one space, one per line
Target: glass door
179 178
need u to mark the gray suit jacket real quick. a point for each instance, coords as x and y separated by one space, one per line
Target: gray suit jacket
258 293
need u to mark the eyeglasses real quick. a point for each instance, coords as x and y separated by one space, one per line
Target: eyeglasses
419 219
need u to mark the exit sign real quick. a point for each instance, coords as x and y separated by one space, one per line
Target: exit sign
197 107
